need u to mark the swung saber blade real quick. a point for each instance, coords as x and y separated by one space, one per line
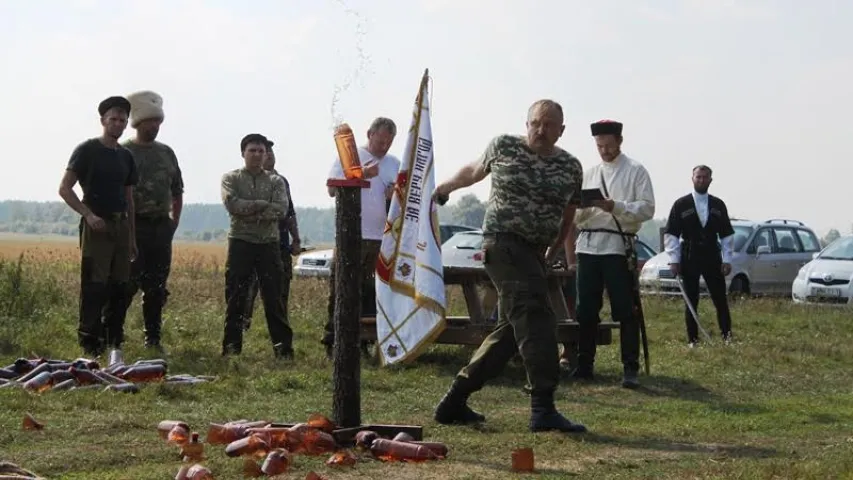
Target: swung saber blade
690 307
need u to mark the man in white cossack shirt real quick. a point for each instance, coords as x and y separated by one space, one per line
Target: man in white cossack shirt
380 169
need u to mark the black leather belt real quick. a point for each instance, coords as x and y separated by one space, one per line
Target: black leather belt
607 230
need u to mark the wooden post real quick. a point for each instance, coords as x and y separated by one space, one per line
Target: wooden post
661 244
346 400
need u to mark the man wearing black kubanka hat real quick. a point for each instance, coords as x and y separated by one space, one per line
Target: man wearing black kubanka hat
107 175
604 253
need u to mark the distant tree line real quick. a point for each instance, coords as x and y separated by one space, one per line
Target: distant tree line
210 222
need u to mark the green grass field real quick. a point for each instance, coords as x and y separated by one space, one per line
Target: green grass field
778 403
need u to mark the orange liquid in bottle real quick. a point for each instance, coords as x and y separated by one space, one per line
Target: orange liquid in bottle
348 152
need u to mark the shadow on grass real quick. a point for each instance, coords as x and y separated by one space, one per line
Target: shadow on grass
656 386
664 445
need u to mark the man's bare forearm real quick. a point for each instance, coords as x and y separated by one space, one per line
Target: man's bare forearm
465 177
73 201
569 245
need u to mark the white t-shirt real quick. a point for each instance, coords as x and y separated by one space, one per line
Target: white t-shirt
373 198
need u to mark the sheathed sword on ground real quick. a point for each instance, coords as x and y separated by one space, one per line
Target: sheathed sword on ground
690 307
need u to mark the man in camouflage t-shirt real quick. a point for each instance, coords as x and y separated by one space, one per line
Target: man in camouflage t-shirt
536 188
158 199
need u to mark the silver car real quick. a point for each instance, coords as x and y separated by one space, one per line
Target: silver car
319 262
766 259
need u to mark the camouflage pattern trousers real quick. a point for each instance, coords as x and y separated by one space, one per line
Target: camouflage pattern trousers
104 273
149 272
526 324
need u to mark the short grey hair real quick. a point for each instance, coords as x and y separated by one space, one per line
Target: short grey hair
548 105
383 122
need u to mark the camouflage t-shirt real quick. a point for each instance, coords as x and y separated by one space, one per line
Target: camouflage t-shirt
160 179
242 192
529 191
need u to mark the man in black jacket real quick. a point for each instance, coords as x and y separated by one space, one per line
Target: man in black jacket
695 223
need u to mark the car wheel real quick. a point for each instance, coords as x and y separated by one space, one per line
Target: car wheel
739 287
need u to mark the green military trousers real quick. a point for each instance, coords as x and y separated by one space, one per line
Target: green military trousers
104 273
526 323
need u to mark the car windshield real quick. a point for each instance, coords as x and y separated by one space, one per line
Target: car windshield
841 249
742 234
465 240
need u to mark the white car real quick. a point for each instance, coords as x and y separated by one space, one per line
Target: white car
828 278
464 249
314 264
319 262
767 256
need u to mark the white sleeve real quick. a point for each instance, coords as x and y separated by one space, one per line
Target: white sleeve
643 209
337 171
727 244
672 246
389 173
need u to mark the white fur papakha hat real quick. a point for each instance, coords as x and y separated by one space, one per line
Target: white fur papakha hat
145 105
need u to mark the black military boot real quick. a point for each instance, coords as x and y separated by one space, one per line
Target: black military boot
453 407
282 352
582 372
631 378
545 417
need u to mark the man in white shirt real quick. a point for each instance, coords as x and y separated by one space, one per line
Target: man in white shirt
695 222
380 169
604 248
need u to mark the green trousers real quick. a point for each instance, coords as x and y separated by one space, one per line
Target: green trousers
595 274
526 323
104 274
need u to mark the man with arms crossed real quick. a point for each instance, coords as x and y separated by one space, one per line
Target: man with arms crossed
106 173
606 232
695 222
535 191
158 199
380 169
287 229
255 201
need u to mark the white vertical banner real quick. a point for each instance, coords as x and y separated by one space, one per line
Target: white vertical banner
410 291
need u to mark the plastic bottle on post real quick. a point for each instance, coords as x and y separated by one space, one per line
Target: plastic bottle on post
348 152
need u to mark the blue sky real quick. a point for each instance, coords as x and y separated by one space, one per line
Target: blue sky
759 90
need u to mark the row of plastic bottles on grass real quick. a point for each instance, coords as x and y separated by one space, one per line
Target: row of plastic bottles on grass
39 375
267 449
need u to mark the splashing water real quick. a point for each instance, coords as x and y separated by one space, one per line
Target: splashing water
363 60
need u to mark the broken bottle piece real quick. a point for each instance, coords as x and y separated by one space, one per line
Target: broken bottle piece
390 450
276 462
193 451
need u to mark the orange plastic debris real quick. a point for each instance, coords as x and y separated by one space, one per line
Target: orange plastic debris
522 460
390 450
277 462
31 423
342 458
321 422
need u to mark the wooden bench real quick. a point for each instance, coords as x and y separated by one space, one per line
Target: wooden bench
474 328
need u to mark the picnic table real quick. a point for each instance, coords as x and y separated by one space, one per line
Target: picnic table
477 325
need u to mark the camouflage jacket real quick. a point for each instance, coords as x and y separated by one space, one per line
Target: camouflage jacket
255 203
160 178
529 191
